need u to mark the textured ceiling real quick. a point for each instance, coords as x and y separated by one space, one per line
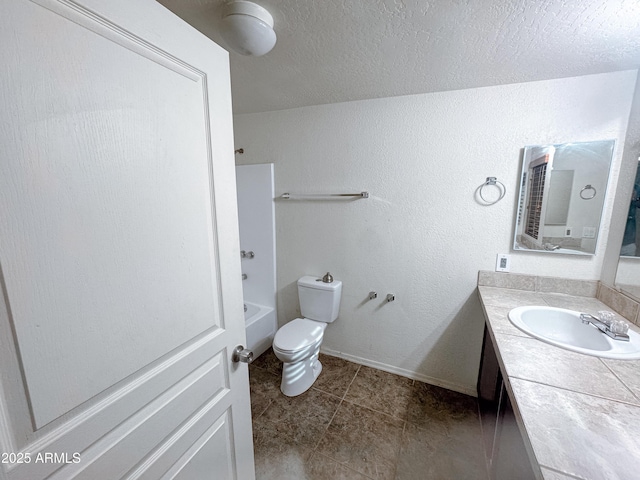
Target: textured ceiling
340 50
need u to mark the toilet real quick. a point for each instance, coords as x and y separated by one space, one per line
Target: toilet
297 344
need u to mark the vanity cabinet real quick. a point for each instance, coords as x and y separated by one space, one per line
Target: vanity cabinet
504 447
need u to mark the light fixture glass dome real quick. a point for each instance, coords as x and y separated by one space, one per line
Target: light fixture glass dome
247 28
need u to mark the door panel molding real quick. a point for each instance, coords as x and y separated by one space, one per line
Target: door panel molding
208 459
132 397
39 278
129 443
91 20
172 453
15 410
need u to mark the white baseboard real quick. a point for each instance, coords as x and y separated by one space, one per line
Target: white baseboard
402 372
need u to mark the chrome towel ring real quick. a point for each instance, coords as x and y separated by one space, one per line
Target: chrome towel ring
492 181
584 192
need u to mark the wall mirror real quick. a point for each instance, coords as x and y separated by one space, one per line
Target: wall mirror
562 192
628 274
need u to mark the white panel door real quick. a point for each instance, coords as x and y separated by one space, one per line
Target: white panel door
119 259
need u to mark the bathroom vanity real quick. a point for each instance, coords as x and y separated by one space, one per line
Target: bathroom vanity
504 447
547 412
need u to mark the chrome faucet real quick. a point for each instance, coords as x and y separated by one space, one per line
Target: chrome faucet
551 247
604 325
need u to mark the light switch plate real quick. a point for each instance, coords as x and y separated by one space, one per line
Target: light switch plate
503 262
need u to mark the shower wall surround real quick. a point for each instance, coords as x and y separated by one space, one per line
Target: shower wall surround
420 234
256 218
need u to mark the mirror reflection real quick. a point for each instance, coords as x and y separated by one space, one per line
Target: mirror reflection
562 192
628 275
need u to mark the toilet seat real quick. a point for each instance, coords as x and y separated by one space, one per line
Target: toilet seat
298 334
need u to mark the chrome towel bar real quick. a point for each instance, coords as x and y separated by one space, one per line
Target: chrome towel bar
321 195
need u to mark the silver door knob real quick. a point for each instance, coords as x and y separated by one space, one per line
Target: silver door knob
241 354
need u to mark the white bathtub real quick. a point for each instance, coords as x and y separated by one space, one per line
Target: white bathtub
261 325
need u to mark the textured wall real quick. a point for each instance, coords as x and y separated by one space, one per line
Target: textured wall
421 235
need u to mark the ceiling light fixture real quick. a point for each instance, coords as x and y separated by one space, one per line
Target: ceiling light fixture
247 28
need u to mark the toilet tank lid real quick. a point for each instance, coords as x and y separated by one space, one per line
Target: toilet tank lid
310 281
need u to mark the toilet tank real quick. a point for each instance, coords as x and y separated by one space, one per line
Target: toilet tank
318 300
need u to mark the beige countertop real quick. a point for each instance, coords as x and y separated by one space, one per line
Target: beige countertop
580 415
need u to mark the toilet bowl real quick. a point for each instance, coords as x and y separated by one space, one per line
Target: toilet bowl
297 344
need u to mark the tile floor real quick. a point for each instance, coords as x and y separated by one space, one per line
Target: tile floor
359 423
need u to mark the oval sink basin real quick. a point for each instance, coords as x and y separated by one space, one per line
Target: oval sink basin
563 328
